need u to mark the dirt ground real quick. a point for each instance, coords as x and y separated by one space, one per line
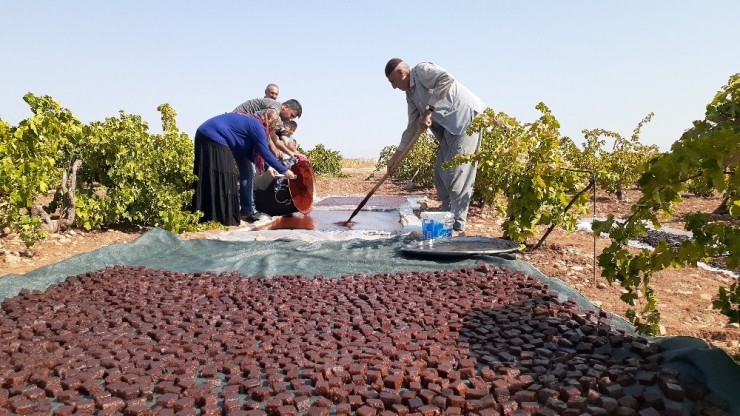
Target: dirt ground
685 295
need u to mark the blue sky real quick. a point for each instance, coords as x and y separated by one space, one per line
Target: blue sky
596 64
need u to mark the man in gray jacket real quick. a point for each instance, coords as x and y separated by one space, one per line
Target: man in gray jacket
436 100
288 110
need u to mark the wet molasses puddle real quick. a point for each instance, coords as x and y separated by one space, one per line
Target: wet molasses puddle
331 220
383 216
293 222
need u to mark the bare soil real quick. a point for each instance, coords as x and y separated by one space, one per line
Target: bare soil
685 295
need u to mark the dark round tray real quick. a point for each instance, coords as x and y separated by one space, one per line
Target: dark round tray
462 246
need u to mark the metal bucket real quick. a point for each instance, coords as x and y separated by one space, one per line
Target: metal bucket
284 197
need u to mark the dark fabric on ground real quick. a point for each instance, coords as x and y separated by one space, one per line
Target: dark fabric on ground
217 188
699 363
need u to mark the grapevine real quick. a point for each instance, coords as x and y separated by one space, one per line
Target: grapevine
618 169
709 153
418 165
325 161
34 158
99 174
525 165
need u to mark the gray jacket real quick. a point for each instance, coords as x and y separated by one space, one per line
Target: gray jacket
257 104
455 106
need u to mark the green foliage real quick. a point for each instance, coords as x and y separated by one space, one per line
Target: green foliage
728 300
127 175
708 152
699 187
324 161
618 169
136 177
526 166
33 156
385 155
418 165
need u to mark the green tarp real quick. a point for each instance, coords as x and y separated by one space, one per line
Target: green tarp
159 249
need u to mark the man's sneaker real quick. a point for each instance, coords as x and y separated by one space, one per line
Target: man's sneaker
255 217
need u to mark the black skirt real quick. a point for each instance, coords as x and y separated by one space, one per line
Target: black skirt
217 187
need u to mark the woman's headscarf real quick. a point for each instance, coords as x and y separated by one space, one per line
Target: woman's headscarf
271 122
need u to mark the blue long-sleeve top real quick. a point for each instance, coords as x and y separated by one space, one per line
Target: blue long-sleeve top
241 133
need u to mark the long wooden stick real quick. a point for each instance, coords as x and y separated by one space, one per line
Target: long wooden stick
390 169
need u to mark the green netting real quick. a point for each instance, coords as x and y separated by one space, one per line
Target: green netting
159 249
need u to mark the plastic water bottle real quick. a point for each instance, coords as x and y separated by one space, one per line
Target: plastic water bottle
436 226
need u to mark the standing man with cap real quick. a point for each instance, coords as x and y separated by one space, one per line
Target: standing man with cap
436 100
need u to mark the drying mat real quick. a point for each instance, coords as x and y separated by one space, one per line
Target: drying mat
379 202
158 249
484 340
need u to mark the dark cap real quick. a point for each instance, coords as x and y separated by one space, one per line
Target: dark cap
391 65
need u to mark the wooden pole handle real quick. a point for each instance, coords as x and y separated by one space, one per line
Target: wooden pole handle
390 169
